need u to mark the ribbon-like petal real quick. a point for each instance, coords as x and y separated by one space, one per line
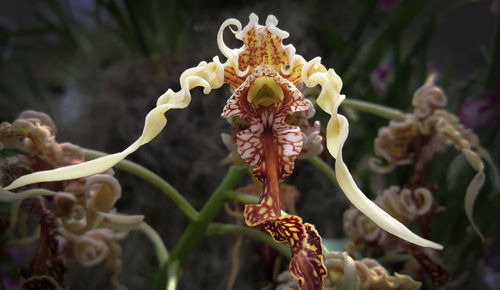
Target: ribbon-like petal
313 73
206 75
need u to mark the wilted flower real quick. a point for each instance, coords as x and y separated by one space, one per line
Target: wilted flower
405 205
95 246
424 133
346 273
84 208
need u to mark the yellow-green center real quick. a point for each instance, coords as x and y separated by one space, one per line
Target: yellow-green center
264 92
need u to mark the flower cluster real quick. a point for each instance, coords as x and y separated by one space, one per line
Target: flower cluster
424 133
347 273
405 205
83 222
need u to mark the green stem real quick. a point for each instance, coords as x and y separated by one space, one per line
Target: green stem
197 228
325 168
173 276
379 110
218 228
242 197
161 250
152 178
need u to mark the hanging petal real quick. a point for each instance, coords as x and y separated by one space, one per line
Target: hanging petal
329 99
474 188
359 200
206 75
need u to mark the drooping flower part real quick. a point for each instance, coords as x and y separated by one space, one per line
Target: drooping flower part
264 100
264 73
424 133
346 273
95 246
404 204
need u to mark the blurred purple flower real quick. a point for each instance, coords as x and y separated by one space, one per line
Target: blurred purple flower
379 78
19 255
389 5
481 112
494 6
10 284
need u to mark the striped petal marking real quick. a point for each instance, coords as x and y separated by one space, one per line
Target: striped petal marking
264 100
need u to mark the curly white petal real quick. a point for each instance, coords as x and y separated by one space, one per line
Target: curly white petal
207 75
484 154
359 200
329 99
226 51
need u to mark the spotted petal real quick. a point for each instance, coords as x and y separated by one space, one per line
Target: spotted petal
263 44
306 264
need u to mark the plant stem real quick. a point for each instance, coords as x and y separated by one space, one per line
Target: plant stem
197 228
154 237
379 110
218 228
242 197
173 274
325 168
152 178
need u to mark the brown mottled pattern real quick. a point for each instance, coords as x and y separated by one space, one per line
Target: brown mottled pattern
230 76
270 146
262 47
394 142
294 74
439 275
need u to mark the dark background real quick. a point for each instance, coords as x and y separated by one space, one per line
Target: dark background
97 67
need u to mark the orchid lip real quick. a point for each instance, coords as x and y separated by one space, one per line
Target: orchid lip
264 92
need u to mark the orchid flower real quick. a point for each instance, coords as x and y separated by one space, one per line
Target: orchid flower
399 142
264 74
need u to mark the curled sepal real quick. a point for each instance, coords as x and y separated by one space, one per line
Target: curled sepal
359 200
101 192
474 188
346 273
329 99
90 251
117 221
206 75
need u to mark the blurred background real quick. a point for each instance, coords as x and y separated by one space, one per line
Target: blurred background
97 67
